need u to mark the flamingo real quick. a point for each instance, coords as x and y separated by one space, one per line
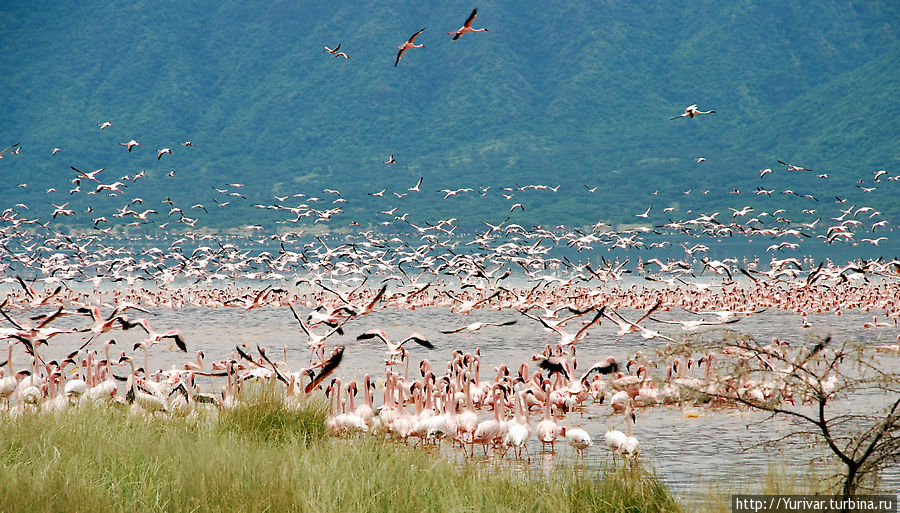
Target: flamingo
394 348
489 431
8 384
615 440
691 110
154 337
519 431
467 26
7 149
130 144
578 438
889 348
407 45
467 421
335 51
547 429
632 448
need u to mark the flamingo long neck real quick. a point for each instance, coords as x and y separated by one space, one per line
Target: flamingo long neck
333 405
337 397
498 407
520 407
468 390
628 420
547 405
429 397
390 398
448 401
51 389
350 398
419 402
106 354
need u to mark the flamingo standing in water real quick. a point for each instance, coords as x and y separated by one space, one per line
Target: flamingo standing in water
467 26
407 45
889 348
547 428
519 430
578 438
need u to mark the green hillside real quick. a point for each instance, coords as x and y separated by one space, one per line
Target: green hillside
570 94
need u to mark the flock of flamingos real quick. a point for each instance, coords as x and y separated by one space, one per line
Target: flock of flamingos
74 293
449 400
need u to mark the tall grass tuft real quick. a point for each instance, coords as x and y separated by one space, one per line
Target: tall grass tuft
263 414
778 479
98 458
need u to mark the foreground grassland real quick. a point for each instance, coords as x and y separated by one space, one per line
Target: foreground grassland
263 456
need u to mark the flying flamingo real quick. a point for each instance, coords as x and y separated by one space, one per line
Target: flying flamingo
691 110
407 45
467 26
154 337
130 144
335 51
394 348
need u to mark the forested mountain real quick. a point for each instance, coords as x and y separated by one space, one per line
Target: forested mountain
573 94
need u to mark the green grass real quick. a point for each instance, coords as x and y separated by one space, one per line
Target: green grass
778 479
261 414
106 459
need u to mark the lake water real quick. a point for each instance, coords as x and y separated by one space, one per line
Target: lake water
691 447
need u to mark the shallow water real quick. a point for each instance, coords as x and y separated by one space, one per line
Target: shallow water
690 447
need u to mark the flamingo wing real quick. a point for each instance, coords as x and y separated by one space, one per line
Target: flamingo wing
553 367
178 338
595 320
414 36
330 365
376 333
471 18
418 339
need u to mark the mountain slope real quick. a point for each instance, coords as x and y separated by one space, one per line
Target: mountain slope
578 94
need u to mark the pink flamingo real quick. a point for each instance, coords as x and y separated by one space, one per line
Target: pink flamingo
467 26
407 45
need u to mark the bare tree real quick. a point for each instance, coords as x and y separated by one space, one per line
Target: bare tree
820 385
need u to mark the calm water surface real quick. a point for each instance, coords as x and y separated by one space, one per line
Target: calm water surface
690 447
